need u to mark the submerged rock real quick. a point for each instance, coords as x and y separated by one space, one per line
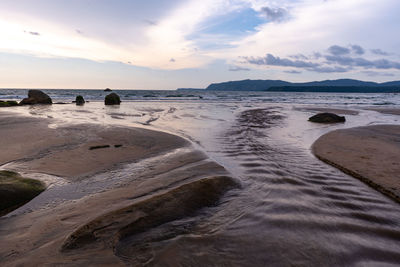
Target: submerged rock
79 100
36 97
15 191
327 118
112 99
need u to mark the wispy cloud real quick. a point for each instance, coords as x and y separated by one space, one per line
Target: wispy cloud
376 73
270 60
32 33
150 22
380 52
238 68
292 71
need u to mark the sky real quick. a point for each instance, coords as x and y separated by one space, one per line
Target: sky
167 44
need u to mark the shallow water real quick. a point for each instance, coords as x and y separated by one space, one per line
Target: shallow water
292 208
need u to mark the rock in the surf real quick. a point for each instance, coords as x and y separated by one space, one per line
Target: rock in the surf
112 99
36 97
79 100
327 118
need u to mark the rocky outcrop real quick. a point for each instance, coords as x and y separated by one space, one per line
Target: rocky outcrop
112 99
36 97
144 215
327 118
107 90
15 191
79 100
8 103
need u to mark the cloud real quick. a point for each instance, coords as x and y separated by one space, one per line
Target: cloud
274 14
271 60
362 62
325 69
299 56
339 60
338 50
172 60
376 73
358 49
32 33
238 68
292 71
380 52
150 22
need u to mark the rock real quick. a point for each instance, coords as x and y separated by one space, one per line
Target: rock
147 214
8 103
107 90
98 147
36 97
112 99
15 191
79 100
327 118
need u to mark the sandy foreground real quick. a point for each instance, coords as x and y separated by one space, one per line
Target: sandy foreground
87 231
370 153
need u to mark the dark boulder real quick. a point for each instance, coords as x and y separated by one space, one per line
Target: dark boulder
107 90
79 100
327 118
36 97
112 99
15 191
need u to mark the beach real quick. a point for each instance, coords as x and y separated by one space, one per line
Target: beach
203 183
370 153
37 237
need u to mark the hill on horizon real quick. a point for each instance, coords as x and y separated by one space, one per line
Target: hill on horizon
325 86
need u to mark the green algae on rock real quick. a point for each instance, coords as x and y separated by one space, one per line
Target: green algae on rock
8 103
15 191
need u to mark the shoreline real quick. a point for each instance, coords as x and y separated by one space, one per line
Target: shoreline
177 177
368 153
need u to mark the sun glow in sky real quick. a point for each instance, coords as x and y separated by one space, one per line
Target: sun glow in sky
163 44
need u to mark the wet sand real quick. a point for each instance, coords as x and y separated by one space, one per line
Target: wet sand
330 110
65 150
370 153
391 111
87 231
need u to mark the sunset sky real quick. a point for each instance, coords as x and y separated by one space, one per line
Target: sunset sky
164 44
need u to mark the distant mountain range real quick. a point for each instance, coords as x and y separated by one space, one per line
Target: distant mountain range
341 85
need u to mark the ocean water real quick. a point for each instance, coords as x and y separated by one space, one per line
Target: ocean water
292 209
66 95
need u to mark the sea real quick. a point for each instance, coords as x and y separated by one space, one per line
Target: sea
291 210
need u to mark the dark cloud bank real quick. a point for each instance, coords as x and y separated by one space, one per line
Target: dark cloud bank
338 59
